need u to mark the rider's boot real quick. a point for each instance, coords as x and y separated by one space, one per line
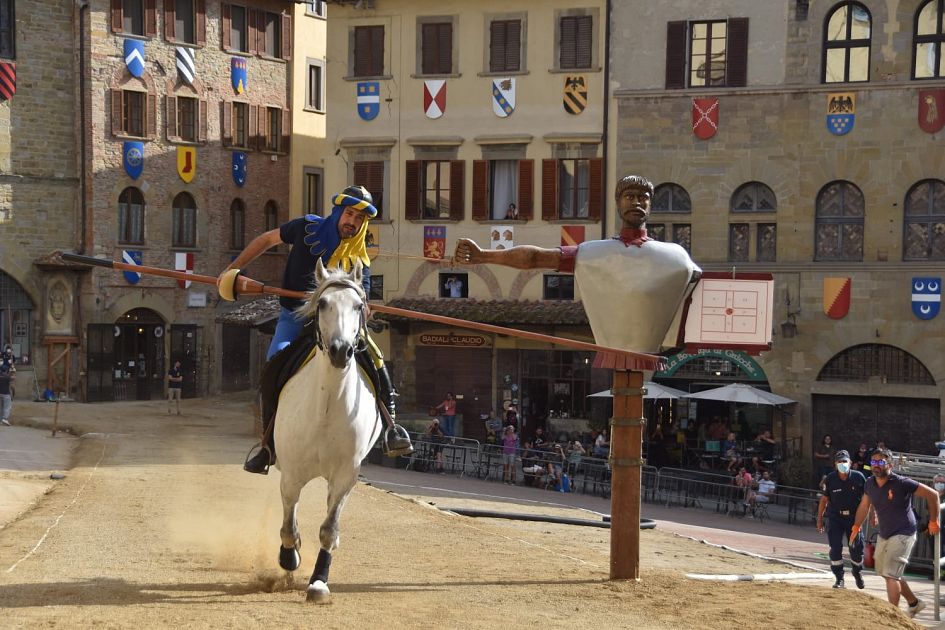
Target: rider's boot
265 456
396 439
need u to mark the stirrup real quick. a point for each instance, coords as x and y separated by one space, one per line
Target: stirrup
398 443
259 459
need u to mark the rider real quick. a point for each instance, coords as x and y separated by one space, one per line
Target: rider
338 240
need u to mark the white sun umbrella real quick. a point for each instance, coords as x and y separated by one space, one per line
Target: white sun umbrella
741 393
653 391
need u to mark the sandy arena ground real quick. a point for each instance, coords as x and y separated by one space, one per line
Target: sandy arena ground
156 525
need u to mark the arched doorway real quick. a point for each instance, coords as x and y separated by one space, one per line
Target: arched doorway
16 310
126 359
904 424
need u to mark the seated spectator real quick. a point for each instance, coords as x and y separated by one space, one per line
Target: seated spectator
716 430
531 464
491 437
763 450
436 436
602 445
539 439
765 492
730 452
576 451
556 463
743 482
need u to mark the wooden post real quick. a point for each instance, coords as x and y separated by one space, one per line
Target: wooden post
55 422
626 461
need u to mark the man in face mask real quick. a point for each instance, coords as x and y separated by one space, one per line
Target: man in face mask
891 497
843 492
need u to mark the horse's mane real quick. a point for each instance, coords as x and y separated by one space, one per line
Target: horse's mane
335 275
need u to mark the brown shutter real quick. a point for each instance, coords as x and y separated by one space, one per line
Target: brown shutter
150 18
549 190
412 190
584 39
117 26
286 36
595 193
151 115
377 50
480 190
736 74
253 130
202 120
362 174
226 25
170 15
200 26
445 40
676 55
227 124
362 43
526 189
262 128
252 30
567 52
428 50
286 128
498 40
513 45
458 189
171 118
118 124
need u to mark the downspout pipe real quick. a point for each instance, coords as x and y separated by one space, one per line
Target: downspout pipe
605 195
83 202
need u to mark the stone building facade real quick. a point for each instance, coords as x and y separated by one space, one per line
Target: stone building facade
817 171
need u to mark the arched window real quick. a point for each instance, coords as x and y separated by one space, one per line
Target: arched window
131 216
671 198
847 44
924 222
237 224
754 197
928 39
872 360
184 228
838 229
271 214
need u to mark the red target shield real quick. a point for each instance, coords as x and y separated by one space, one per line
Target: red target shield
705 117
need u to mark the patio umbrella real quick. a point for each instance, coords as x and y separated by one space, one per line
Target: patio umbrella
653 392
741 393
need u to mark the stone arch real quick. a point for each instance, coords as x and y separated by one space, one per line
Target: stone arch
862 362
521 281
144 299
426 269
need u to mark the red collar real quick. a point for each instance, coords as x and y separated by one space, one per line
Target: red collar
632 236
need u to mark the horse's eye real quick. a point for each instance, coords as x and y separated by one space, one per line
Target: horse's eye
322 303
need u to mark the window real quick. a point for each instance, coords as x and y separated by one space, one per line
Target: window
754 197
132 17
316 8
454 285
239 36
682 235
370 174
505 46
272 23
576 33
434 188
186 118
271 215
656 231
558 287
7 29
312 189
315 86
847 44
368 51
573 187
241 125
273 128
710 53
132 113
184 20
377 287
924 223
184 222
671 198
503 190
435 184
738 239
767 240
929 37
838 228
237 224
131 216
436 55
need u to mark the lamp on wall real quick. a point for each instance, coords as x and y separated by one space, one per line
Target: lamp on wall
789 325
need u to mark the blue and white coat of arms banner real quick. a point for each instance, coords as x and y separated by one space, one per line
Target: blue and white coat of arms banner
841 113
186 64
239 168
131 257
132 157
134 56
369 99
503 96
926 297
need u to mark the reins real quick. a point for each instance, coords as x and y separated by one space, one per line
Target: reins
343 283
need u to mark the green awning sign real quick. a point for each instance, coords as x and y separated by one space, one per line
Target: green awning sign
750 369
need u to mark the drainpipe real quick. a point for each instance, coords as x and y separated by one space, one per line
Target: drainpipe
606 127
83 203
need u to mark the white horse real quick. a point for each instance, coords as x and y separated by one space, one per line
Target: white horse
327 418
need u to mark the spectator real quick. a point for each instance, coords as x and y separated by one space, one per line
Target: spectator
763 450
576 452
743 482
6 357
6 399
512 212
448 407
454 286
861 458
823 458
491 437
531 464
602 445
765 493
556 463
730 452
435 434
717 430
174 381
509 449
511 416
539 439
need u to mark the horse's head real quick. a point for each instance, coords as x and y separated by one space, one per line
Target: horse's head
338 308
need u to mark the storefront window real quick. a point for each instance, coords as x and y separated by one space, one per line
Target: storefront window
556 384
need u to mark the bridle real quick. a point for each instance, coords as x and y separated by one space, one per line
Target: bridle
343 283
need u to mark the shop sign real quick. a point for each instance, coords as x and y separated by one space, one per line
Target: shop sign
751 371
450 339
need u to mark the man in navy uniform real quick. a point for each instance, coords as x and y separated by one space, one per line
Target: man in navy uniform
843 491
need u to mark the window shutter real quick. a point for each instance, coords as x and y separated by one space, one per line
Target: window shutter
150 18
584 35
286 36
227 125
526 189
116 16
226 25
252 132
513 45
480 189
362 46
595 193
151 115
412 189
118 125
171 117
202 120
549 190
568 46
254 34
285 127
498 42
445 46
458 189
676 55
200 28
170 15
428 54
262 128
362 174
736 74
377 50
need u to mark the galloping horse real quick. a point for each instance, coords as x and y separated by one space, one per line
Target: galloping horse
327 418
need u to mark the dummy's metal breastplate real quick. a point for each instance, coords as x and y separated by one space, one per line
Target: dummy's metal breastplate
632 294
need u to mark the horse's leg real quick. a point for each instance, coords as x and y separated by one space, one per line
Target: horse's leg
339 487
289 558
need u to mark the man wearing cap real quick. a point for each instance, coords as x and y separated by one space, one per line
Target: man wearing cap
843 491
338 240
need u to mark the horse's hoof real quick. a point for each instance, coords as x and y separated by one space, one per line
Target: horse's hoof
318 593
289 559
